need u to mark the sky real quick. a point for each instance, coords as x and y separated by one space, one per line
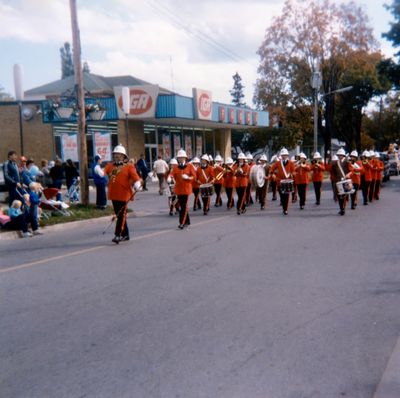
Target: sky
177 44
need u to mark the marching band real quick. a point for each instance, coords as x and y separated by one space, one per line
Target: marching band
203 177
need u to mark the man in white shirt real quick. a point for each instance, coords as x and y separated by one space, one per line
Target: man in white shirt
160 168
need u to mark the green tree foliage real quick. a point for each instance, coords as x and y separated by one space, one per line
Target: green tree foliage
394 33
237 91
67 64
307 37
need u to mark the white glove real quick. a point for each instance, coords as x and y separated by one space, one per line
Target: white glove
185 177
137 186
169 180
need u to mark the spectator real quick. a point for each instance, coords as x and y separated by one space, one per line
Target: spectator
18 218
100 181
57 176
45 169
35 192
71 173
34 173
22 164
160 168
11 176
143 170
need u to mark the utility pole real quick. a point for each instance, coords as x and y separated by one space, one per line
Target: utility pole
83 163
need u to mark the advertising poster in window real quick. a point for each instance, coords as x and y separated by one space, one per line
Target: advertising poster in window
177 143
199 144
102 145
188 146
166 146
70 147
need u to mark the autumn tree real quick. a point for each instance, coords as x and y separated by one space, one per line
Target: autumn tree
309 37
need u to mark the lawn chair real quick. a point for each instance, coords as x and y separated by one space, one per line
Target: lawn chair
49 204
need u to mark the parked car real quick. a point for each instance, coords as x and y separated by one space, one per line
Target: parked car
3 188
386 171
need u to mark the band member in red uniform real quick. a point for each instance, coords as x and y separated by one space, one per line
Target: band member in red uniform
262 192
250 162
272 179
242 173
302 178
284 170
340 171
229 182
183 174
366 177
121 175
379 167
317 169
218 173
356 168
205 175
196 185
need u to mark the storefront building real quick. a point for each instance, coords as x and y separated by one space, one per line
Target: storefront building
149 120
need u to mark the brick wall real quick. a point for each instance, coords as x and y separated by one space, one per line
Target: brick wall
37 137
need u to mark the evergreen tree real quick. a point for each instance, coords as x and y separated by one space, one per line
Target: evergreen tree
237 91
67 64
86 68
394 33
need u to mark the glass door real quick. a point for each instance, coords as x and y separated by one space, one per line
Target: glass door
150 154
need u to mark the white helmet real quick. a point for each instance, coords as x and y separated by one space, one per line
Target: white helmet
205 157
371 154
293 158
274 158
284 151
241 156
229 161
354 154
218 158
181 154
377 155
317 155
264 157
335 158
196 160
249 156
366 154
210 158
302 155
173 161
341 152
120 149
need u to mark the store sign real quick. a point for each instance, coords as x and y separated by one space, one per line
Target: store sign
142 101
102 145
255 118
247 117
69 147
203 104
239 116
221 113
188 146
166 146
231 115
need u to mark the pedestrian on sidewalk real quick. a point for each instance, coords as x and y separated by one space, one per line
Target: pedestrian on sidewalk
11 176
143 170
100 181
160 168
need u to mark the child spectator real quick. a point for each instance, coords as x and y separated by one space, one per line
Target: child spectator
18 218
35 192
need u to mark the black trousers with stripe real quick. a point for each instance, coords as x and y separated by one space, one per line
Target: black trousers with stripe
184 218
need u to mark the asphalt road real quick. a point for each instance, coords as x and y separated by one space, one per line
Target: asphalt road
253 306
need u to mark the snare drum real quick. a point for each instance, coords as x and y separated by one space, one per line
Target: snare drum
257 176
206 190
170 191
345 187
287 186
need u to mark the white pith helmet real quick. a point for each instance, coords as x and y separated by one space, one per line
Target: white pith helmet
241 156
218 158
274 158
317 155
377 155
302 155
293 158
196 160
120 149
249 156
264 157
341 152
371 154
335 158
205 157
228 161
181 154
354 154
284 151
366 154
210 158
173 161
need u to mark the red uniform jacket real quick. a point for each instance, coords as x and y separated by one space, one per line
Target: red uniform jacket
205 176
229 178
242 174
182 186
317 170
302 176
278 167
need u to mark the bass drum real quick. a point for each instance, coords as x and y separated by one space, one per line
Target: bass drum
257 176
